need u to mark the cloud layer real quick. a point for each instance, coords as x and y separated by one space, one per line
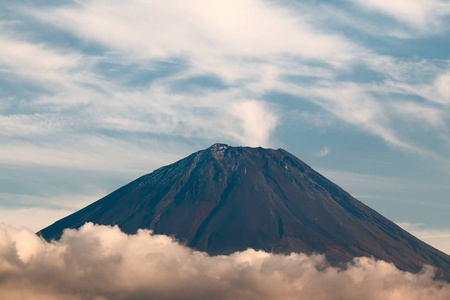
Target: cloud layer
201 70
100 262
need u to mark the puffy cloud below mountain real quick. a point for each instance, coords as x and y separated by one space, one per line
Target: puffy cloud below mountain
101 262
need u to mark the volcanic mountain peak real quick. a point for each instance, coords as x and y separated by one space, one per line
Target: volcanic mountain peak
217 150
225 199
218 147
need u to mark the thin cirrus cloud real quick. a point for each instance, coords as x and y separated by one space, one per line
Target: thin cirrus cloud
242 47
35 124
77 98
253 54
357 106
224 26
250 48
70 107
423 15
87 153
437 92
50 69
114 265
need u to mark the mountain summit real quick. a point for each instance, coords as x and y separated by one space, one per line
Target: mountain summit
225 199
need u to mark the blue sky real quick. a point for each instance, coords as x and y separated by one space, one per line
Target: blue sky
96 93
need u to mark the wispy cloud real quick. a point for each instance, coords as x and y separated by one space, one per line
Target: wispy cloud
249 56
22 124
223 26
421 15
324 152
89 153
355 104
258 122
102 262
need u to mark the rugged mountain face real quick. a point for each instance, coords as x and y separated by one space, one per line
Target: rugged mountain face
225 199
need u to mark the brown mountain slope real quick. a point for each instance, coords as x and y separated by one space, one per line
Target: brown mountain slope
225 199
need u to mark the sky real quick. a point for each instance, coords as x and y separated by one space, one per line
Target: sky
94 94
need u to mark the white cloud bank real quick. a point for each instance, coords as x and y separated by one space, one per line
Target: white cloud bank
100 262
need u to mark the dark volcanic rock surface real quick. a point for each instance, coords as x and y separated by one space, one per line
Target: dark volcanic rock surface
226 199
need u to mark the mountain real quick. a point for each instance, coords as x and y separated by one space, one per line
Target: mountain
226 199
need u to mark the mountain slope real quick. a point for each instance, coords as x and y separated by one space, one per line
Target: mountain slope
225 199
